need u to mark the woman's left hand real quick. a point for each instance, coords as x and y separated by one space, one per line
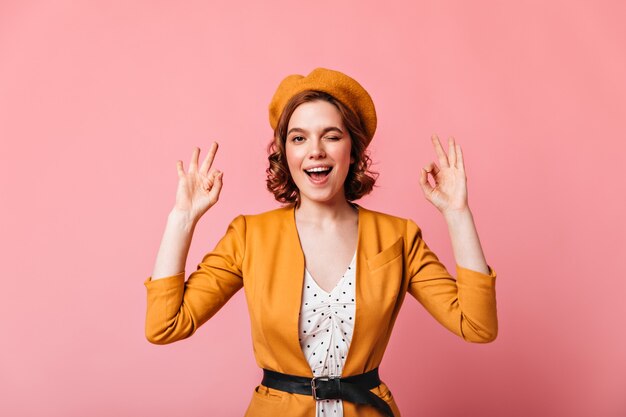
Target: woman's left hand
450 191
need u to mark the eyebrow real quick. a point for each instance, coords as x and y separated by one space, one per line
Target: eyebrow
326 129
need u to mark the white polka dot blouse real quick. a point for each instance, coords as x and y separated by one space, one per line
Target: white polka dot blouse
326 325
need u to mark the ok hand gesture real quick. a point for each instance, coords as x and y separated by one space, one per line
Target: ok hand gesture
198 189
450 191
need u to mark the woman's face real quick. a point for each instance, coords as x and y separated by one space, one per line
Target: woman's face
317 138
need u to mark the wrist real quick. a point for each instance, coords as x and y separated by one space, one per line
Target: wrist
457 215
182 219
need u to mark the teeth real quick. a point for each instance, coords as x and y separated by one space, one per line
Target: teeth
319 169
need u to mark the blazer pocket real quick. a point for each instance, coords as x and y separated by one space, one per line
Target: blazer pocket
265 393
386 255
266 402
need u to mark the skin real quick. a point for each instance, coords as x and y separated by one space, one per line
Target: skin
324 214
198 190
449 196
327 224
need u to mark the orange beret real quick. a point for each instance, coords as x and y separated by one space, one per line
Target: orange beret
339 85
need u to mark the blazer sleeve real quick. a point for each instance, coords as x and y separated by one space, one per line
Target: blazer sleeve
176 308
465 306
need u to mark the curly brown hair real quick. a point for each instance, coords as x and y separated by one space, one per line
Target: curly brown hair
360 179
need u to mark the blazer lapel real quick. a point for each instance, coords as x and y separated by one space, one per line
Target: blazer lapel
354 362
291 279
291 275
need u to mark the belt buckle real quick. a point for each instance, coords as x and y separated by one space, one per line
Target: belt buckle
322 378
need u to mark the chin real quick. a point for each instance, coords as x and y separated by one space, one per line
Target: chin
321 198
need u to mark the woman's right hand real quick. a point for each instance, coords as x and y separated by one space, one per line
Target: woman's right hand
198 189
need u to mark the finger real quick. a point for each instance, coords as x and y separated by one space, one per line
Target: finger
433 169
179 169
441 154
210 179
193 164
452 152
208 161
217 186
426 187
459 158
208 183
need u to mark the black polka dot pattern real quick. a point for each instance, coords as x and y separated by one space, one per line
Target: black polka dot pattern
326 323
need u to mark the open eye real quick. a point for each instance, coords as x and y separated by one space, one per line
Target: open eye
296 139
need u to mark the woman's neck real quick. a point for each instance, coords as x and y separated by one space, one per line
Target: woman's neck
325 213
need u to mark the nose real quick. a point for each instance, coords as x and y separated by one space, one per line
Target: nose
317 149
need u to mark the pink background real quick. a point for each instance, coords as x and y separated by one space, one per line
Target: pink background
99 99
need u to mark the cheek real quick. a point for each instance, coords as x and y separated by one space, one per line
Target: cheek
346 155
293 161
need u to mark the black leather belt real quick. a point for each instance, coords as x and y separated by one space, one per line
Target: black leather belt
355 389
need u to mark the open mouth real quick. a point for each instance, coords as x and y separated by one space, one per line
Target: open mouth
319 173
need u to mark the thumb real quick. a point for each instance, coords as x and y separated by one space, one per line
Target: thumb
426 187
217 183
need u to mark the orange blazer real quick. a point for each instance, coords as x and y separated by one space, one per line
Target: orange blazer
262 254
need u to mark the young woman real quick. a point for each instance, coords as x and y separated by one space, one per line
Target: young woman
324 278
